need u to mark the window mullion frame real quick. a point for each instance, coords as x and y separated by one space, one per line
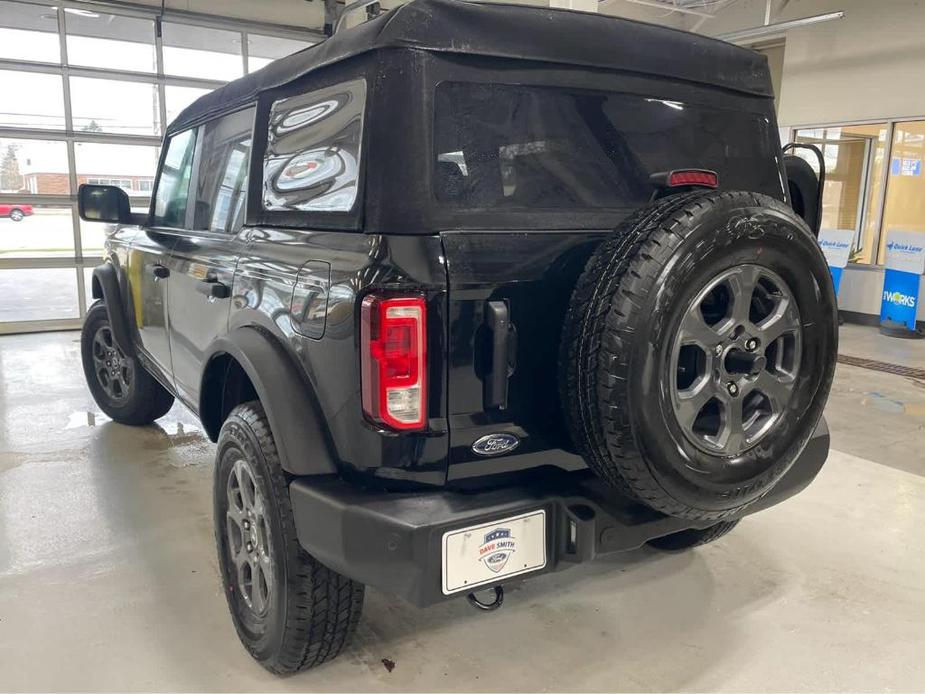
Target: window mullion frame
884 182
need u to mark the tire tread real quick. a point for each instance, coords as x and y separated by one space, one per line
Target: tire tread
149 400
323 607
693 537
598 332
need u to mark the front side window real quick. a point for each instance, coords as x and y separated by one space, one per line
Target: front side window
312 161
527 148
172 194
223 163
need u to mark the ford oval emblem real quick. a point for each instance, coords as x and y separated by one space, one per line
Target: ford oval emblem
495 444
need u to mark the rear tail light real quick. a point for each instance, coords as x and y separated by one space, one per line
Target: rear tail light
393 358
680 178
693 177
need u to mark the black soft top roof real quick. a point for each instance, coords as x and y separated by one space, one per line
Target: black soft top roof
510 31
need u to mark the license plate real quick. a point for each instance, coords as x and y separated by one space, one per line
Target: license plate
481 554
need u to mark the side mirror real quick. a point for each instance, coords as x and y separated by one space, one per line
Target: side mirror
104 204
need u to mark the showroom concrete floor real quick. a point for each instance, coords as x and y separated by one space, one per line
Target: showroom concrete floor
108 579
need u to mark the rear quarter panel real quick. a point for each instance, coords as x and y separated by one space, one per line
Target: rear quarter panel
344 266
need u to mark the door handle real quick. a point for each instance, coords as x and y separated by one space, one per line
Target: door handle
502 354
160 272
212 288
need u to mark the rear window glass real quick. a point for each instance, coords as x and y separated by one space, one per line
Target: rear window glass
312 160
536 147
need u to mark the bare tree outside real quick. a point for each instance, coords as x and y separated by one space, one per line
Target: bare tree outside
10 176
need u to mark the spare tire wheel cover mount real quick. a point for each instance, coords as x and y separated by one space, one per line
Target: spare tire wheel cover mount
770 356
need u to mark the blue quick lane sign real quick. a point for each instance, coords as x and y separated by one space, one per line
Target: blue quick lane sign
905 167
905 263
905 250
836 247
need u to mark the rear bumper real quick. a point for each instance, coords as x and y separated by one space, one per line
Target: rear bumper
393 542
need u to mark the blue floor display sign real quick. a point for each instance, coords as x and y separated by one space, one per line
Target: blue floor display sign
905 263
836 247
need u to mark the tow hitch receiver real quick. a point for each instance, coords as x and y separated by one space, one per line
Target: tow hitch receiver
487 606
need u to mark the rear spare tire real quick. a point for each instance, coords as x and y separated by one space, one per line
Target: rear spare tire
693 537
803 185
698 351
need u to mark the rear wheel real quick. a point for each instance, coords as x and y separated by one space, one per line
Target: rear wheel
17 215
290 611
693 537
119 384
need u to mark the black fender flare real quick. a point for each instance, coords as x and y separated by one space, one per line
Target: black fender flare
296 422
106 277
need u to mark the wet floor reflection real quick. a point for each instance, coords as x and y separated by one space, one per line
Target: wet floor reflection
175 424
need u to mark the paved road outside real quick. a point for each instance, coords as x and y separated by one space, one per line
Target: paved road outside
48 233
43 294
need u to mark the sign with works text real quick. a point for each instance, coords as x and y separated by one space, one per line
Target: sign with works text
905 263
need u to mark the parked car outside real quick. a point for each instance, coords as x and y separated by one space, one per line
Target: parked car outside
15 211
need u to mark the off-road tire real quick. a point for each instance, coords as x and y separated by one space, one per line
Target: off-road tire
692 537
146 401
585 308
314 611
613 380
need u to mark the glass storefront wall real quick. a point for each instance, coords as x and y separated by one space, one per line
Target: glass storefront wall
854 157
904 209
875 181
70 114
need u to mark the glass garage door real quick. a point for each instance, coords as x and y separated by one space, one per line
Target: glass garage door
70 113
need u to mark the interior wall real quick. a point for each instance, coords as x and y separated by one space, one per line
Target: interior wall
775 54
299 14
867 65
642 13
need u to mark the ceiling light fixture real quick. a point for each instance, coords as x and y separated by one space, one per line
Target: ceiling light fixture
778 28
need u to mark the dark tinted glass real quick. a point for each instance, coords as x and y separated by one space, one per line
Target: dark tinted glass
312 162
170 201
221 187
530 147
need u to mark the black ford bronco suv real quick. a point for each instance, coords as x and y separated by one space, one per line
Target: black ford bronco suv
467 294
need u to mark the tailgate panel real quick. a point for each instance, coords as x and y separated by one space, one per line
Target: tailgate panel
534 274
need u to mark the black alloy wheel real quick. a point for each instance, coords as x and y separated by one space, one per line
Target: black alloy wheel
736 358
114 373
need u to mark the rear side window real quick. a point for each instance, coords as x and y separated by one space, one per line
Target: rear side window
312 160
502 146
170 201
221 184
